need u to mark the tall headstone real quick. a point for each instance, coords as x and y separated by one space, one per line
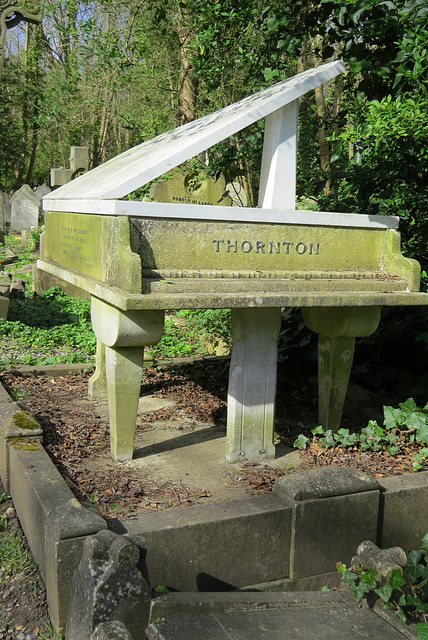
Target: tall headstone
79 163
79 160
60 177
178 187
24 209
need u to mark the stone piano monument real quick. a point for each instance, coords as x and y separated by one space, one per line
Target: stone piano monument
138 259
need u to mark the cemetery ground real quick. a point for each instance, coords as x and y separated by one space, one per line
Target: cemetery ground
183 409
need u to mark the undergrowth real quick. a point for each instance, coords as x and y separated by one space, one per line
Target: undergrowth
407 424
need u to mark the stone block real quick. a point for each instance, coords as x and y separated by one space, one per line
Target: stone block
113 630
54 522
15 424
403 510
109 586
334 510
216 547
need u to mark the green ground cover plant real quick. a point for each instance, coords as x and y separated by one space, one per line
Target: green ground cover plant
49 329
405 592
404 425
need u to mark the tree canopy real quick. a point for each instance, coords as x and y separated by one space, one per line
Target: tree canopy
109 74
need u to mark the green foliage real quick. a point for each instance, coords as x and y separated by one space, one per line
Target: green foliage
193 333
406 424
405 592
48 329
388 171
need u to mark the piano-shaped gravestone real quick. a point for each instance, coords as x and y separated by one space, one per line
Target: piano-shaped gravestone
137 259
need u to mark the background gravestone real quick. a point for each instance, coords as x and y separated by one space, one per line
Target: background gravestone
175 189
24 209
4 210
41 191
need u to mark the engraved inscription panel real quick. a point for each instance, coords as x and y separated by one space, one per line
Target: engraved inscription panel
180 244
75 241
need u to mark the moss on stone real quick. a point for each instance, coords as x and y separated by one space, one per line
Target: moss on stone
25 444
24 420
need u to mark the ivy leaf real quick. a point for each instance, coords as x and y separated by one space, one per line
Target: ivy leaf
301 442
392 417
369 576
414 569
385 592
359 590
397 579
424 542
422 631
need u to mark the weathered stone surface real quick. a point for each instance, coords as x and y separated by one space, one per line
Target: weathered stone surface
42 191
4 210
79 160
176 187
113 630
250 404
15 423
334 510
309 616
403 510
369 556
325 482
107 586
206 548
24 209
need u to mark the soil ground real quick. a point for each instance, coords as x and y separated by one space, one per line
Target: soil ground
179 457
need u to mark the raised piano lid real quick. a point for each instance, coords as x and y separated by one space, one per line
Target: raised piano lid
139 165
99 191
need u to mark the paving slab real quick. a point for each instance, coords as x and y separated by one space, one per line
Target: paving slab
309 616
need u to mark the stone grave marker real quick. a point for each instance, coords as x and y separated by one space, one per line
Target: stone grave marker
4 210
42 191
175 188
339 268
79 163
24 209
237 194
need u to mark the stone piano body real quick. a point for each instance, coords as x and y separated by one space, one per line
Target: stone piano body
137 259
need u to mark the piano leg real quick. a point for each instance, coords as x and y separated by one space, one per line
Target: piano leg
123 335
124 367
335 356
337 329
97 383
252 384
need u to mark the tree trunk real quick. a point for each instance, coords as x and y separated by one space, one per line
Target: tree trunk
188 83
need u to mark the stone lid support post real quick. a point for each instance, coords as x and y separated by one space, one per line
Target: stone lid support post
255 332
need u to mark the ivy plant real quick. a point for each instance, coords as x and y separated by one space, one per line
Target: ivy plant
405 592
402 425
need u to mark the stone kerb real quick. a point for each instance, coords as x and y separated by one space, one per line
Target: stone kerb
334 510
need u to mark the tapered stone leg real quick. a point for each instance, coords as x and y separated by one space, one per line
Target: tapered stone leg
335 356
337 328
124 366
97 383
252 384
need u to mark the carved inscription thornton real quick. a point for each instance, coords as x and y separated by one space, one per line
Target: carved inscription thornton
257 246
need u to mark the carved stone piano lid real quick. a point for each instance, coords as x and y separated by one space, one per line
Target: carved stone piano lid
100 190
136 167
